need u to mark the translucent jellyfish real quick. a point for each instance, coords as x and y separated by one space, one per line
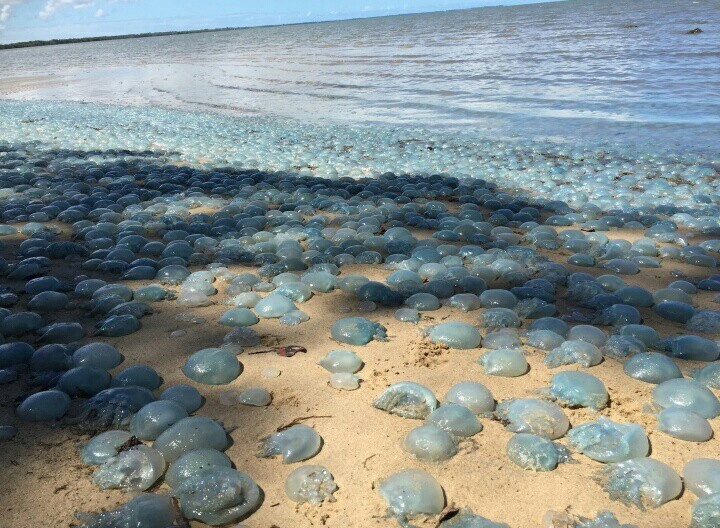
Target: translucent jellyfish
246 299
173 274
407 315
134 308
430 443
504 362
527 415
581 352
255 397
357 331
456 335
188 434
708 376
455 419
467 519
320 281
379 293
677 312
84 381
151 293
47 302
623 346
118 326
341 361
144 511
618 315
466 302
18 324
495 318
498 299
579 389
313 484
553 324
643 482
135 469
704 322
475 396
706 512
702 476
606 441
44 406
544 339
532 452
693 348
294 318
103 446
188 397
212 366
88 287
684 425
635 296
115 406
239 317
97 355
350 283
344 381
295 291
652 367
217 495
13 354
534 308
50 358
589 334
621 266
687 394
503 338
408 400
137 376
423 302
646 334
192 462
274 306
294 444
411 492
150 421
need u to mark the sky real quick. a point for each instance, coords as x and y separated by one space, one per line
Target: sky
22 20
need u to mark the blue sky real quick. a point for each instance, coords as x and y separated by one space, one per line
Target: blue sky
46 19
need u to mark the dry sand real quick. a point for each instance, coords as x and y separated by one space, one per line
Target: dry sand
44 482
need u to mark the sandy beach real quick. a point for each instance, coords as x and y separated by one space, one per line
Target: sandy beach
361 445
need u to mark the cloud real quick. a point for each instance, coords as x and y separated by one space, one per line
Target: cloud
99 13
52 6
6 9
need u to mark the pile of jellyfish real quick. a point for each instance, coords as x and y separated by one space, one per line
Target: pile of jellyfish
95 244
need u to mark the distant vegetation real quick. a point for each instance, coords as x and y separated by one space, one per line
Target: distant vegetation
33 43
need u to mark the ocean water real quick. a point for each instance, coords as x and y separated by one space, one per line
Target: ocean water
580 71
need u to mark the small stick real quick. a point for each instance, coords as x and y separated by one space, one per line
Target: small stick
297 421
284 351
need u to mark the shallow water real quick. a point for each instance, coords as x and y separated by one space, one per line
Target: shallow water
592 69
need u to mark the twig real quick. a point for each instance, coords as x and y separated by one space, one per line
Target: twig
299 420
